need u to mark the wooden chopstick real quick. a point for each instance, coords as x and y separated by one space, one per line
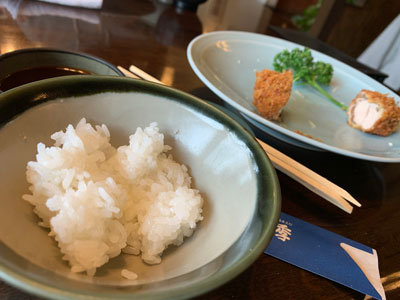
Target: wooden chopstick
301 168
138 72
308 178
127 73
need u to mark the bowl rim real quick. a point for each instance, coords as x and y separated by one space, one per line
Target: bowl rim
267 181
62 51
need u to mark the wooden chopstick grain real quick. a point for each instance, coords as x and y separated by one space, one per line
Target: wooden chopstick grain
135 70
306 177
127 73
311 180
343 193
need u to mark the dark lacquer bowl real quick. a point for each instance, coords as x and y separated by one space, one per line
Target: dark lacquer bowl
32 64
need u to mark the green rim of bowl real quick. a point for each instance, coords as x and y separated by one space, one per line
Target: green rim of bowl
16 101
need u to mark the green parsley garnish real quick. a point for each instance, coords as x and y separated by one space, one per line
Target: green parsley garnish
306 71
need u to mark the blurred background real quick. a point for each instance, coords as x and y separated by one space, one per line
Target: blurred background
345 29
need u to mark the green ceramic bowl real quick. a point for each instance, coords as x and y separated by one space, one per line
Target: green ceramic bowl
235 177
49 63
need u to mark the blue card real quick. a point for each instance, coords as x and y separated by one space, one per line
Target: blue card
327 254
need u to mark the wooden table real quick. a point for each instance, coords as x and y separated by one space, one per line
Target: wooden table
154 37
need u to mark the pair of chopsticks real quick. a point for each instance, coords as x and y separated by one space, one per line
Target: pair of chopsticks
311 180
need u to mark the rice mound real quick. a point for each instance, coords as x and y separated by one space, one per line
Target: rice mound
98 200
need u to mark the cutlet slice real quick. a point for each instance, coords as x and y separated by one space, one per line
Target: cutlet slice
271 92
373 112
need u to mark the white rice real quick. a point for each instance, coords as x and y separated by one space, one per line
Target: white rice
99 201
129 274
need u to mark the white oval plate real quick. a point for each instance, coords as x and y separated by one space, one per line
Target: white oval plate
226 61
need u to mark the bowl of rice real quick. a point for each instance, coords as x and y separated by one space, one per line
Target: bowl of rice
114 188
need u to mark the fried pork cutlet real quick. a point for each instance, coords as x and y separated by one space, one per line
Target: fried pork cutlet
373 112
271 92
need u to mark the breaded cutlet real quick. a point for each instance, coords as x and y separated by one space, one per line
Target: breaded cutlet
271 92
373 112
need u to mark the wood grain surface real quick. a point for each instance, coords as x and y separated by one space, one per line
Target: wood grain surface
154 37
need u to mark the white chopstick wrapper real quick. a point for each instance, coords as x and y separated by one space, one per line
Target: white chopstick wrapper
94 4
368 263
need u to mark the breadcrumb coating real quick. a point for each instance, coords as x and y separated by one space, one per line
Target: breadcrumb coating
271 92
389 120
